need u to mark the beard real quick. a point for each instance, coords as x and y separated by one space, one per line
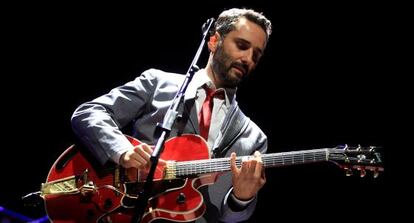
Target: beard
222 65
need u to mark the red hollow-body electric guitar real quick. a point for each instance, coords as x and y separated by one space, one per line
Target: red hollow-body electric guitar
77 189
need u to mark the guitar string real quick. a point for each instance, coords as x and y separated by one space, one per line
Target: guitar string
321 155
223 164
267 160
264 156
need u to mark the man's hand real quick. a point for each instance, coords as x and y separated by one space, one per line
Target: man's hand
139 157
249 178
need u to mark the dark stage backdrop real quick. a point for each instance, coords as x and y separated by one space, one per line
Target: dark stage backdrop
322 82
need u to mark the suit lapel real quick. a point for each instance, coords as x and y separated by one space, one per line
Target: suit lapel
190 108
233 126
188 120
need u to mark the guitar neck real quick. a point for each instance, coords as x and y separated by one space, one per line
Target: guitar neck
188 168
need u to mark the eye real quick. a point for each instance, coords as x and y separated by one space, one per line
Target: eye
242 45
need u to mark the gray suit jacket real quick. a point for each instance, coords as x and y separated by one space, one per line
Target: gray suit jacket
144 101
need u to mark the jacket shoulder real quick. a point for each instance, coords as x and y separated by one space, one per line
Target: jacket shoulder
162 76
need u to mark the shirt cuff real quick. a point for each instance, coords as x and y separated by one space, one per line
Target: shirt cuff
236 204
117 155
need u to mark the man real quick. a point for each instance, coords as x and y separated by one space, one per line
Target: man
236 45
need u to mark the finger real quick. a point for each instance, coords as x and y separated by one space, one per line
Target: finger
127 161
263 178
259 170
131 163
147 148
141 160
252 166
140 150
233 166
258 156
162 162
244 165
148 151
135 164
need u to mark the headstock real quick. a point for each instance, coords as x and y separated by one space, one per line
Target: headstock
358 158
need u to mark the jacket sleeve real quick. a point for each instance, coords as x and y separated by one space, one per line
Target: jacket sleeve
98 123
251 140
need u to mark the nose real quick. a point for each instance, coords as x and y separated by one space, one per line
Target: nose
247 58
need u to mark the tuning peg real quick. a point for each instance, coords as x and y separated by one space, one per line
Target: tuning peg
361 158
346 148
378 157
348 172
375 173
362 172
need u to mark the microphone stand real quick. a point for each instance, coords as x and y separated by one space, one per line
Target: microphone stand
163 130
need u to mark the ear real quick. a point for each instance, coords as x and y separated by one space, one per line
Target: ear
213 42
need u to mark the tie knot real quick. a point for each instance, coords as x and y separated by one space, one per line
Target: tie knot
210 92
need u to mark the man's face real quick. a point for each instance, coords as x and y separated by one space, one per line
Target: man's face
238 53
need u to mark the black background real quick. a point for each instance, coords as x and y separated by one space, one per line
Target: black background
325 80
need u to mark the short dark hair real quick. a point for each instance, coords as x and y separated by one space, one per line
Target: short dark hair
227 19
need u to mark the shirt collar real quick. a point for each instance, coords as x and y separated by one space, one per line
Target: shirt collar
199 79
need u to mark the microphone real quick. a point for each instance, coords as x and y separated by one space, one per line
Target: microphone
205 29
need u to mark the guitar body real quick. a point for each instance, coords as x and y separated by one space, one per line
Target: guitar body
79 190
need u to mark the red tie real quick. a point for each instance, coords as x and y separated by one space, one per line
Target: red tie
204 116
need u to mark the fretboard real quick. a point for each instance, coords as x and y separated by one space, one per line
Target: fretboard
186 168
